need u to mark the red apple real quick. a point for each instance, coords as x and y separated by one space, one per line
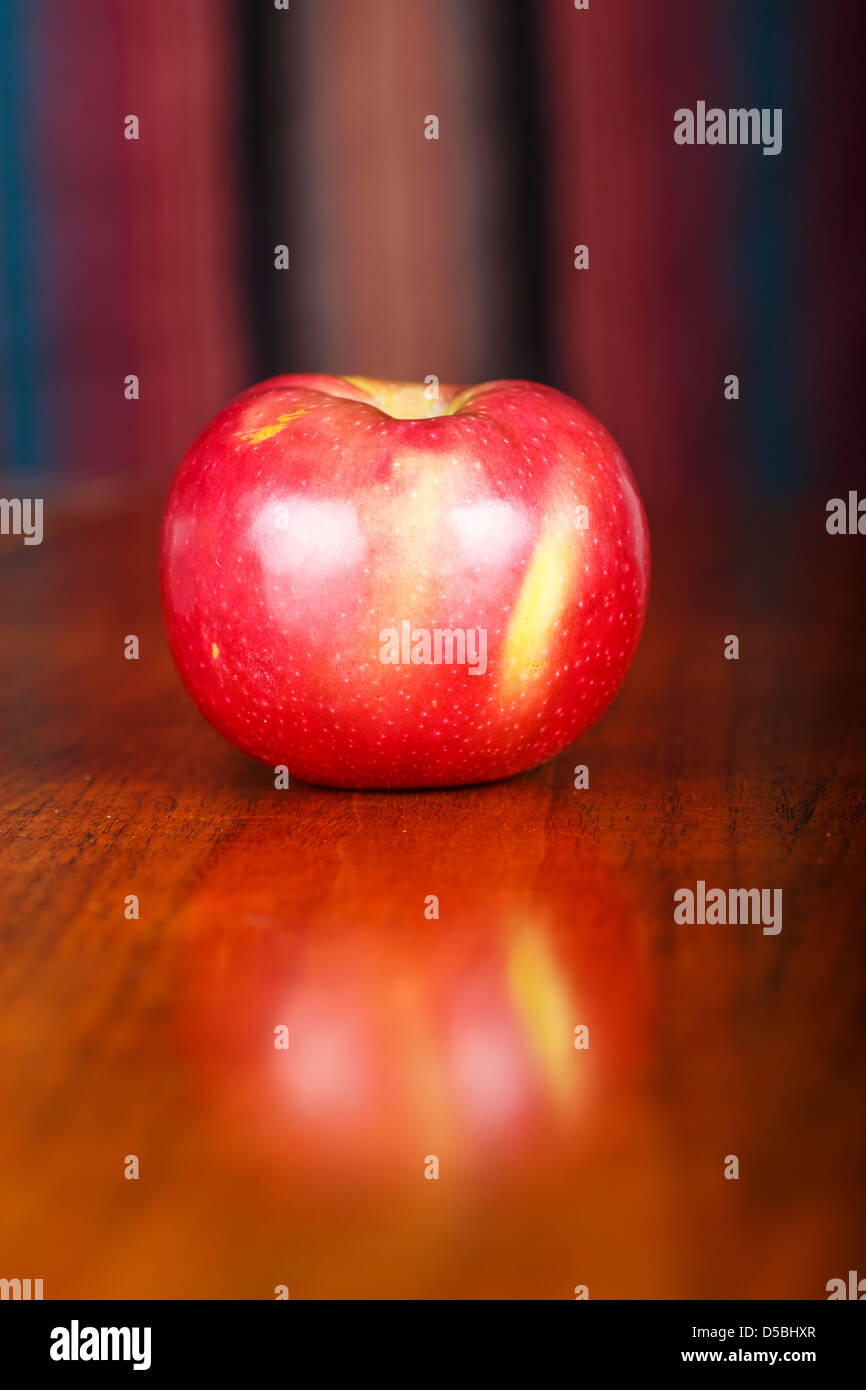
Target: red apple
376 585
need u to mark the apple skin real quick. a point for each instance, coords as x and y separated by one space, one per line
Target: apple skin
306 523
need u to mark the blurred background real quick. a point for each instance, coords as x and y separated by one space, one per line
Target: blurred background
410 256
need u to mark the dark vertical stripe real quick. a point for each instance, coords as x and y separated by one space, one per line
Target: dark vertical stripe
261 35
515 27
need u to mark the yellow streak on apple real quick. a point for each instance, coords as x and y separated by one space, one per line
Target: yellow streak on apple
539 604
268 431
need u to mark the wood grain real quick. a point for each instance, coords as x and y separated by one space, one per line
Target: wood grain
454 1038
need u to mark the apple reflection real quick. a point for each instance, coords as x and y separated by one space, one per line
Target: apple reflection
408 1035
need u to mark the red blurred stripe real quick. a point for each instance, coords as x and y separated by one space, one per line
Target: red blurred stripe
145 263
642 337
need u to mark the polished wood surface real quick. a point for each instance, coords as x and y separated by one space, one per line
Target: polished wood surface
453 1037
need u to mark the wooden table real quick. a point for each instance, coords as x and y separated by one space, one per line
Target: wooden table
454 1038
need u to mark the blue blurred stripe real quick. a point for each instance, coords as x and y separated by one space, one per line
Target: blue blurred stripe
762 72
22 270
